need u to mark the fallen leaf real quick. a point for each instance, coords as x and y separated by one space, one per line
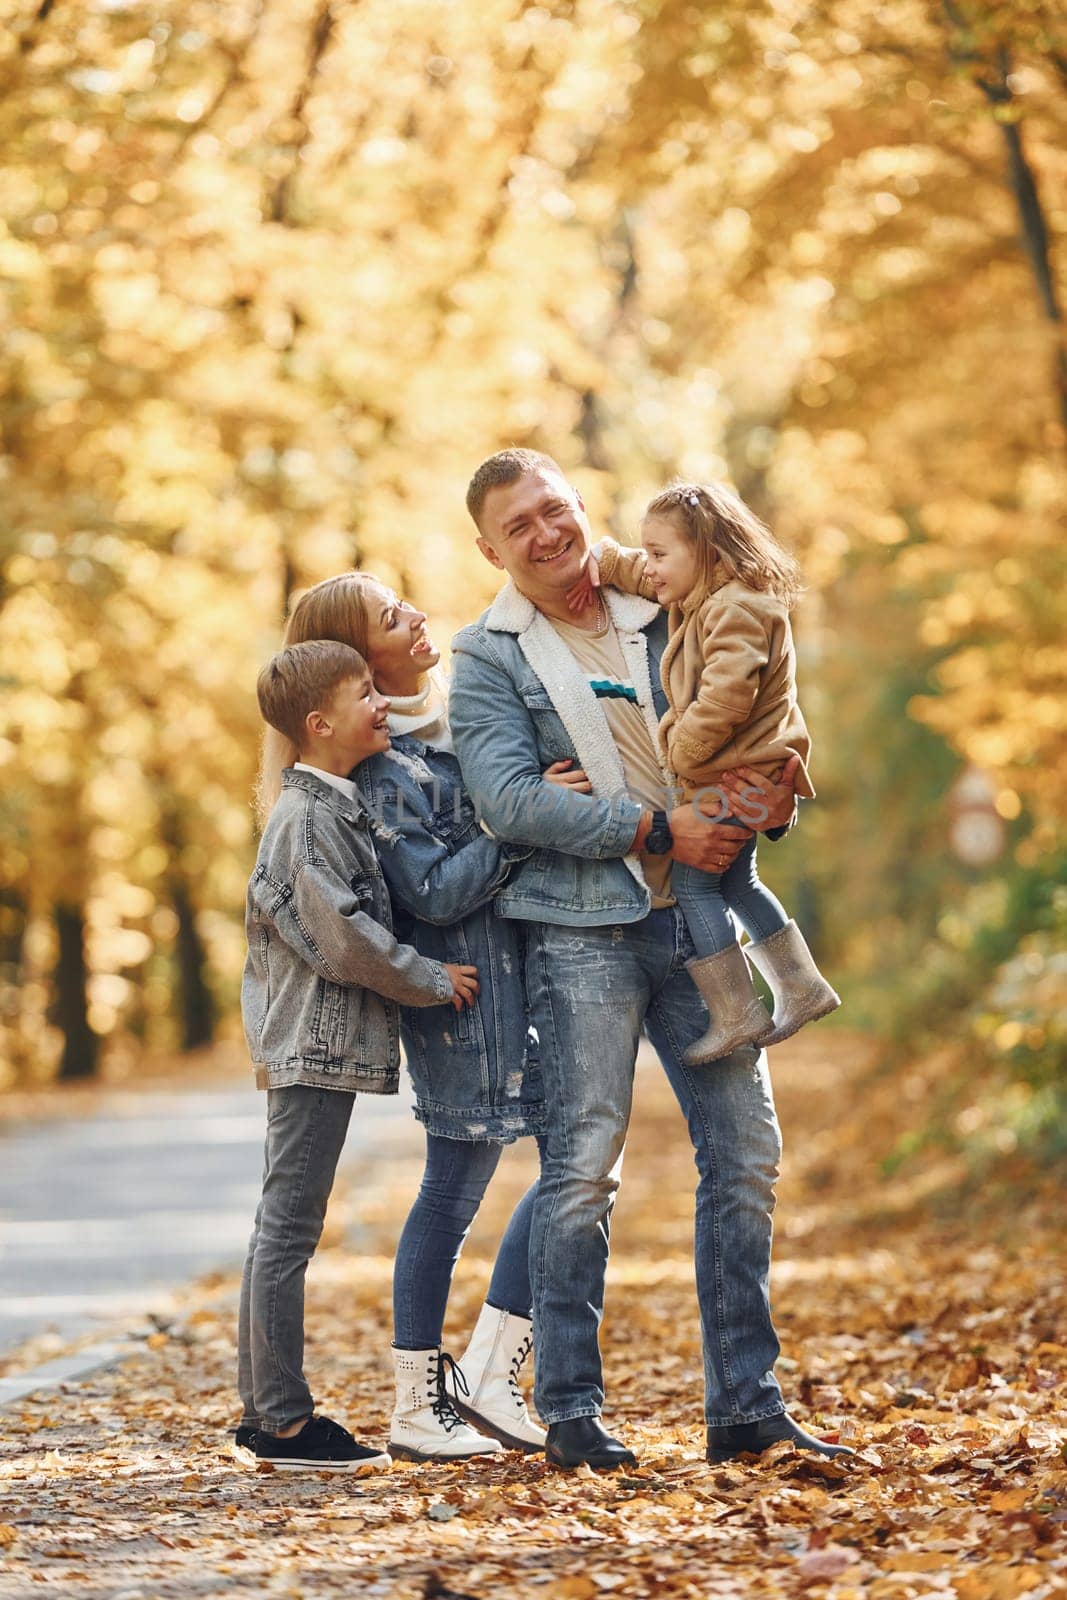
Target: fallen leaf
1010 1499
829 1562
578 1588
441 1511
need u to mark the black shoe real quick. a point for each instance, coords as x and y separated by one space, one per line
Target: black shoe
244 1442
320 1446
583 1442
752 1438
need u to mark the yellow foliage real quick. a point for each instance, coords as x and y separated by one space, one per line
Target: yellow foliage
278 277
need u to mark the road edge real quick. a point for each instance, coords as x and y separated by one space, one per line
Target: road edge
67 1369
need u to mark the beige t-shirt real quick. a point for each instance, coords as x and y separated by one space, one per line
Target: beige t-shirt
600 657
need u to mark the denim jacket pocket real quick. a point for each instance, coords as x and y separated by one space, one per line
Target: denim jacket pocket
553 739
268 893
329 1022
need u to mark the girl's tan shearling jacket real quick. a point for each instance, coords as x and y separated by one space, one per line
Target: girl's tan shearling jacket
729 674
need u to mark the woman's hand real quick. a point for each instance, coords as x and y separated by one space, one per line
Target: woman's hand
576 781
583 593
464 984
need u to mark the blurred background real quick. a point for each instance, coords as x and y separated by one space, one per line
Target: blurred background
279 273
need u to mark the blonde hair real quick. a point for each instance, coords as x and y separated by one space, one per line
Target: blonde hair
301 679
335 609
719 524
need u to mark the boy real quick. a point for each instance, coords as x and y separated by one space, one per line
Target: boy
322 984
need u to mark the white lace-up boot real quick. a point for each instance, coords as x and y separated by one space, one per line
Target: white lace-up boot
426 1425
499 1348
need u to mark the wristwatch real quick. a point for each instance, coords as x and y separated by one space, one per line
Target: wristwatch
659 839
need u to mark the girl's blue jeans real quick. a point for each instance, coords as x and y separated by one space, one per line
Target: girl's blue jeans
454 1182
707 900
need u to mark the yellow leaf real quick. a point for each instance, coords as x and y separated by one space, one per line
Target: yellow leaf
917 1561
1009 1500
572 1589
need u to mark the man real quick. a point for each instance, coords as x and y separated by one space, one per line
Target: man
533 684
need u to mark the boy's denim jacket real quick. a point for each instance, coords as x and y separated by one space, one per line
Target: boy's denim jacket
325 977
520 701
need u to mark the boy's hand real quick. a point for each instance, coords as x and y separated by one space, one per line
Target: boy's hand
575 780
583 593
464 984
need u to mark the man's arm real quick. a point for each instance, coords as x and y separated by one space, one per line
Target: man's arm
496 742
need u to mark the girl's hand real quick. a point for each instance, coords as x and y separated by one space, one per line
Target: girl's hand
576 780
760 802
583 593
464 984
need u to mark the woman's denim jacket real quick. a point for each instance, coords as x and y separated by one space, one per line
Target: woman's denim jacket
325 977
475 1072
520 701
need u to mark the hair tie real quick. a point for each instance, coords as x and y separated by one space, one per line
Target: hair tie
691 498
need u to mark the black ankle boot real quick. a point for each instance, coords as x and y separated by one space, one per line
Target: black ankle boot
752 1438
583 1442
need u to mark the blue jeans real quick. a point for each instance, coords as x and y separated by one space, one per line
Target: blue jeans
591 992
708 898
454 1182
306 1130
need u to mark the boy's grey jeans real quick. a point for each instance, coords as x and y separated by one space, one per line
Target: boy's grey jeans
306 1129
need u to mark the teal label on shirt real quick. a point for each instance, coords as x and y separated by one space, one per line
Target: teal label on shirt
608 689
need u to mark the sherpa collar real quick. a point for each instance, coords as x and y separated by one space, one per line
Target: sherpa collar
581 713
512 612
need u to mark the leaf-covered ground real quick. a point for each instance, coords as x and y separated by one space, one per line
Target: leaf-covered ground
927 1329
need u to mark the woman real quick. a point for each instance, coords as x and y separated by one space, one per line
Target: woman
475 1074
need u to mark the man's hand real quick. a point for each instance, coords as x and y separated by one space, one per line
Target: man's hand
464 984
761 803
583 593
699 842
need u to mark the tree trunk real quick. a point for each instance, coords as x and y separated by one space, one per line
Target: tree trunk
994 80
195 1000
81 1046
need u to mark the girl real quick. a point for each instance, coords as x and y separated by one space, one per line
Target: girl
476 1077
728 671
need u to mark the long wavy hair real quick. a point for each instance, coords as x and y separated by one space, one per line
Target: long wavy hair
719 524
334 609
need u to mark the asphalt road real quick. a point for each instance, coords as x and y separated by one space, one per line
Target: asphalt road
101 1214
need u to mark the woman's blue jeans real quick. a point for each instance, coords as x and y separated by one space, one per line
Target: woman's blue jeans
454 1182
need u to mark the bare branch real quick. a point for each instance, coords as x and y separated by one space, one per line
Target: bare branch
278 202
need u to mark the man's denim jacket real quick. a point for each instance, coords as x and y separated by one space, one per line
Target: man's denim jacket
520 701
325 977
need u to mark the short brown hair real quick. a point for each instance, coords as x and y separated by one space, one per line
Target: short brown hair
301 679
507 466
